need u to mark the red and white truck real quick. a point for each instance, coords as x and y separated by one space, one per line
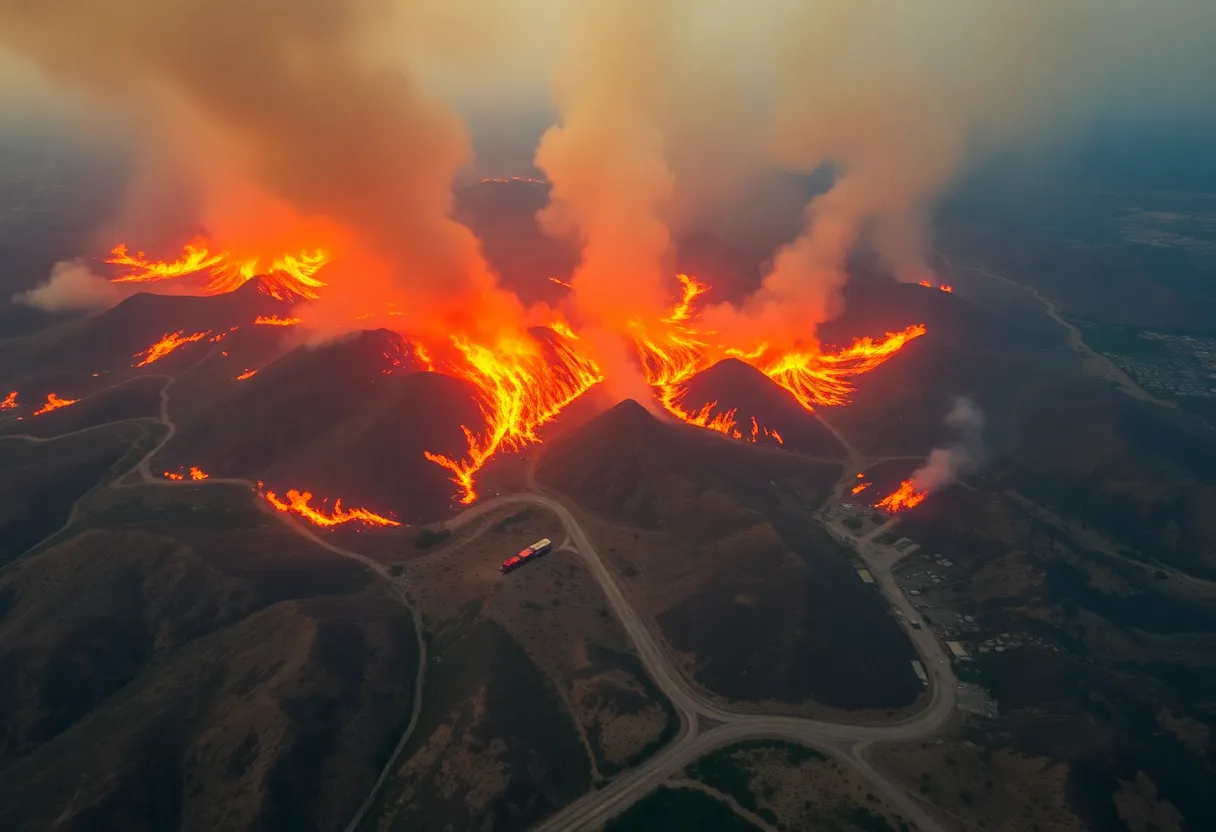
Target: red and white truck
536 550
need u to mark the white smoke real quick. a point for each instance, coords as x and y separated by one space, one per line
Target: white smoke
71 286
946 464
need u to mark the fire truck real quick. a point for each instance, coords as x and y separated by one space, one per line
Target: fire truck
536 550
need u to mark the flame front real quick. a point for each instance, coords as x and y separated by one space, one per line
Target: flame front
297 502
814 377
285 277
53 402
904 497
247 374
275 320
167 344
521 388
9 401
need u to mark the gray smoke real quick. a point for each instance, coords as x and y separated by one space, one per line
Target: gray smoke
966 454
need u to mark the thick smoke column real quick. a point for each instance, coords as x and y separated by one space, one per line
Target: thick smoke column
606 157
297 106
946 464
900 97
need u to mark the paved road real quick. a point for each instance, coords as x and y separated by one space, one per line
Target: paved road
846 742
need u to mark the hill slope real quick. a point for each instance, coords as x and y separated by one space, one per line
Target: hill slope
729 561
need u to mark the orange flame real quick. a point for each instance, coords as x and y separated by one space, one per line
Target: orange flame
167 344
423 357
197 473
945 287
140 269
563 329
53 402
275 320
9 401
173 475
906 496
561 282
521 389
284 277
861 486
247 374
814 378
297 502
926 284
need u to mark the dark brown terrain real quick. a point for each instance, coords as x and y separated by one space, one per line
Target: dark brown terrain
715 540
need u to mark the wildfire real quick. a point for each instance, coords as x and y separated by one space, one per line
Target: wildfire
275 320
297 502
195 473
9 401
561 282
167 344
53 402
814 378
945 287
522 386
285 277
906 496
861 486
423 357
247 374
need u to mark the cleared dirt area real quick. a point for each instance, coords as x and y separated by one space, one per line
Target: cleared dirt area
1002 790
793 787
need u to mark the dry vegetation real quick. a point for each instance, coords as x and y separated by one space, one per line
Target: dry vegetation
792 787
1002 791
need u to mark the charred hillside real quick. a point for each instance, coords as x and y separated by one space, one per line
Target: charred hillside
351 417
759 403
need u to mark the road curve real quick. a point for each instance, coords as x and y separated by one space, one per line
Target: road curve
844 741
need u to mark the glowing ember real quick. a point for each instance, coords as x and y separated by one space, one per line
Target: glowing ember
297 502
522 387
53 402
9 401
275 320
906 496
285 277
167 344
247 374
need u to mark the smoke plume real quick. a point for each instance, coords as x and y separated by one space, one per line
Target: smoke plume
966 454
71 286
304 105
606 157
899 98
